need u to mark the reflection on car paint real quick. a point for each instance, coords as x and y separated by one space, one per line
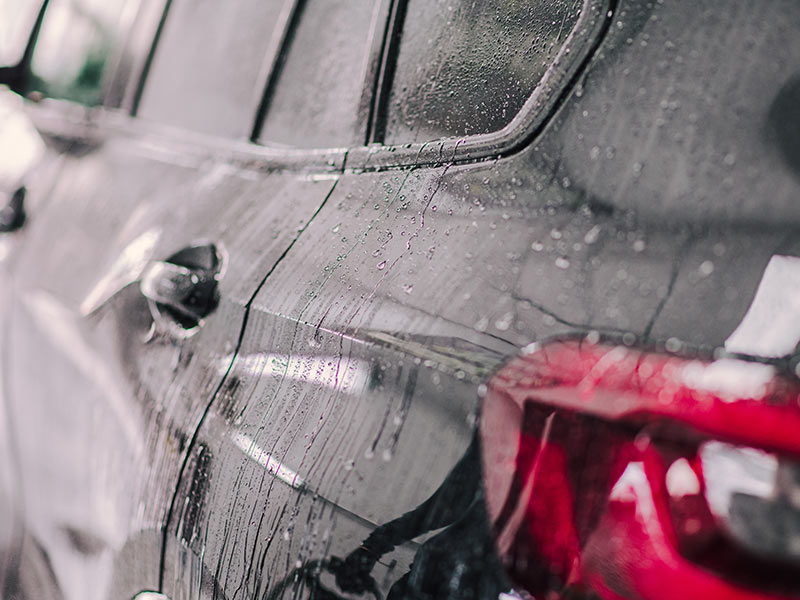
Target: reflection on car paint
457 562
335 372
271 464
771 326
125 270
302 443
611 469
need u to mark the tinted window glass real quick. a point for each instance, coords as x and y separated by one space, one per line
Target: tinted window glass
316 99
76 40
205 72
467 67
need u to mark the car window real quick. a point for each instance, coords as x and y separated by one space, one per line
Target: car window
76 39
319 84
205 70
466 67
16 21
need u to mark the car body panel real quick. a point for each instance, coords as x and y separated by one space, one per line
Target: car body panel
495 255
112 378
28 164
367 297
427 254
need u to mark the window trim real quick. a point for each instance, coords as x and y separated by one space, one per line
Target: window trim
125 84
384 71
556 84
133 99
374 66
272 67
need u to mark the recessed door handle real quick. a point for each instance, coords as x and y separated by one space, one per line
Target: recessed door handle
183 289
12 215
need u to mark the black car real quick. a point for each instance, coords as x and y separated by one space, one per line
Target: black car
265 265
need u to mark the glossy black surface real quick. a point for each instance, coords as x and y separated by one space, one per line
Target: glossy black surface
312 433
12 215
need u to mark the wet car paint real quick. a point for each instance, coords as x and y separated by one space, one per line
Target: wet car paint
519 249
474 301
132 415
353 390
25 152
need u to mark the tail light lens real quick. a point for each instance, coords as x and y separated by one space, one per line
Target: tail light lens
627 474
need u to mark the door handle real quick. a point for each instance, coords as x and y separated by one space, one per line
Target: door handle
12 215
183 289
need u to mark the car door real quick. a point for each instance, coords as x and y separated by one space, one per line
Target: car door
353 397
27 172
132 281
344 462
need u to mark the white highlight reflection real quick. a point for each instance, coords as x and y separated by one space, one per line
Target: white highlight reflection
20 144
771 327
729 379
126 269
247 445
682 480
340 373
730 470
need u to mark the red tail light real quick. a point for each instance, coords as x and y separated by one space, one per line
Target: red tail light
626 474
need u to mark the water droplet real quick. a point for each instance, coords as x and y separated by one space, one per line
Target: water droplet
562 262
537 246
706 268
592 235
336 228
504 322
